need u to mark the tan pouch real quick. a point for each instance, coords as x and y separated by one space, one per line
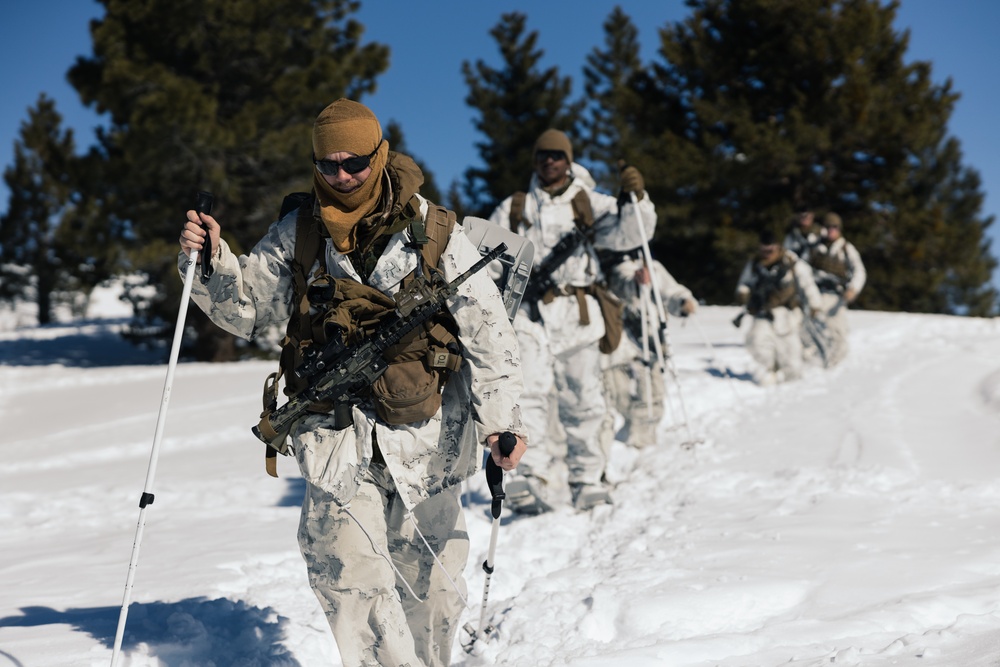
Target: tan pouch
407 392
612 311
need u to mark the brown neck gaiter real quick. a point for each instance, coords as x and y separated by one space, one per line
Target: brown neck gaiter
348 126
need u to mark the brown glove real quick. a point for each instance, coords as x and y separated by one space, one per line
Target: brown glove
688 307
850 295
631 181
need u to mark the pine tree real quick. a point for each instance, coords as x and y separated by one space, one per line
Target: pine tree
760 106
215 95
516 104
612 96
40 183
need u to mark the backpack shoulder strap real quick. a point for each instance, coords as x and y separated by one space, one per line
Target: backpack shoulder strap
517 211
431 233
583 212
308 241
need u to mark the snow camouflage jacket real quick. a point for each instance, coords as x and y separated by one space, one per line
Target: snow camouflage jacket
247 295
837 267
801 244
622 282
547 219
797 283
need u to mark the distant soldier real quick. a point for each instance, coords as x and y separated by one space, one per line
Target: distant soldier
773 286
633 376
802 234
569 317
840 276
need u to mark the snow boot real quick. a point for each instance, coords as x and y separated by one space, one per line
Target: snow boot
588 496
524 496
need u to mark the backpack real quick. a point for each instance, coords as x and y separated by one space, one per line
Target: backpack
768 292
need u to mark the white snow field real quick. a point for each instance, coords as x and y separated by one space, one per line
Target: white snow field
850 518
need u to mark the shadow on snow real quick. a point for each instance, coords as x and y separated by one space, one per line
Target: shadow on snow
193 631
83 345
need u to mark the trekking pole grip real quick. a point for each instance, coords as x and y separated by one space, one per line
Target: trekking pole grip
507 443
203 204
494 475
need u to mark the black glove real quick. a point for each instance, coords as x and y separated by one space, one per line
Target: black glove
631 181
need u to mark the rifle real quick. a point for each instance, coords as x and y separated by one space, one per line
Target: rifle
343 373
541 280
816 330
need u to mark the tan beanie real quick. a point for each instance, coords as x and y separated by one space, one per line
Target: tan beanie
554 140
348 126
833 220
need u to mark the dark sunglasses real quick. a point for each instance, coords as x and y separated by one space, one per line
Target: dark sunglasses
351 165
555 156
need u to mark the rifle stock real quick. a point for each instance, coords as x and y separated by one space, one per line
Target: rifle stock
354 368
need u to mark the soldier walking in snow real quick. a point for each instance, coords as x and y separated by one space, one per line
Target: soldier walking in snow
840 276
379 486
802 235
633 376
773 286
568 315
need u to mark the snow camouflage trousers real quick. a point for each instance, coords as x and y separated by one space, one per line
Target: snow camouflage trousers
375 619
775 344
641 403
836 331
574 376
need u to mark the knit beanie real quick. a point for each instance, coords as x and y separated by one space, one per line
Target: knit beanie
833 220
348 126
554 140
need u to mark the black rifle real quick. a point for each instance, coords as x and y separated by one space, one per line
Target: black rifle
541 280
344 374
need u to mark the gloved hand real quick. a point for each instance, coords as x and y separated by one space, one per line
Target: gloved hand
689 307
850 295
631 181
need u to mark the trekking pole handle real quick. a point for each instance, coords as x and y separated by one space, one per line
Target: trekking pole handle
494 475
203 204
507 443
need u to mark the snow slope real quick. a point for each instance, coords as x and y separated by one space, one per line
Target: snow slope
851 518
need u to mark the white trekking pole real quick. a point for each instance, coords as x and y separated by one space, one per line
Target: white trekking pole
494 479
646 359
661 313
204 205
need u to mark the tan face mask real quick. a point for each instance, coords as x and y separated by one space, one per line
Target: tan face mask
348 126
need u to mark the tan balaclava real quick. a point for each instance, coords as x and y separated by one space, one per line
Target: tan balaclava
348 126
554 140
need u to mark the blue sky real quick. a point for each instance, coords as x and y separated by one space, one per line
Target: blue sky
39 41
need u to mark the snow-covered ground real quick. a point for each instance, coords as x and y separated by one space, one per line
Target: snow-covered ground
851 518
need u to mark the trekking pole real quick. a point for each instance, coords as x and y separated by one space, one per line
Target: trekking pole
715 360
662 314
646 359
494 479
204 205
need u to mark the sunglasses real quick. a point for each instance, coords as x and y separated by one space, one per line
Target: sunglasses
555 156
351 165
